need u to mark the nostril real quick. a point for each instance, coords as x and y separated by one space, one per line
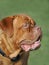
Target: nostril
38 28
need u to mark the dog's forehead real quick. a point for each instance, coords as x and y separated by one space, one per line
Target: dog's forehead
23 20
26 18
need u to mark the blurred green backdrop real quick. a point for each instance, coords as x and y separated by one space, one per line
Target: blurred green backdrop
39 11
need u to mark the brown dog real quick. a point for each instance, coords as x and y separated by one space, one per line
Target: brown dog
18 35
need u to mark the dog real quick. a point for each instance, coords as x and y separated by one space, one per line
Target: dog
19 35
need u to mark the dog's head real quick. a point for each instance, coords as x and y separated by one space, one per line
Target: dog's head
22 32
27 33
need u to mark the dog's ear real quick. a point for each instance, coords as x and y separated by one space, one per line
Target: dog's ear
7 25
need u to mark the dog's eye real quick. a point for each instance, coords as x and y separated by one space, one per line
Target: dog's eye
25 25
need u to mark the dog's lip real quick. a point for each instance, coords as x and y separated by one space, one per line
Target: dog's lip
29 42
36 44
32 46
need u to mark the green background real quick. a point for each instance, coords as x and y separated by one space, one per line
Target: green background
39 11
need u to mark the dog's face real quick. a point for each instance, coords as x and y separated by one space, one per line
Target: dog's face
21 32
28 34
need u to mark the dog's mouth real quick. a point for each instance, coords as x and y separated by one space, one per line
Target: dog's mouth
28 45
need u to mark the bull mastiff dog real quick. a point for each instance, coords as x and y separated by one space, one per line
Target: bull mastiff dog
19 35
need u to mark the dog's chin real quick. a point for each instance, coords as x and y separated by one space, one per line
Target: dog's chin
27 45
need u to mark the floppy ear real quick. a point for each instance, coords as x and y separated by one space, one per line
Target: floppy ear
7 25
